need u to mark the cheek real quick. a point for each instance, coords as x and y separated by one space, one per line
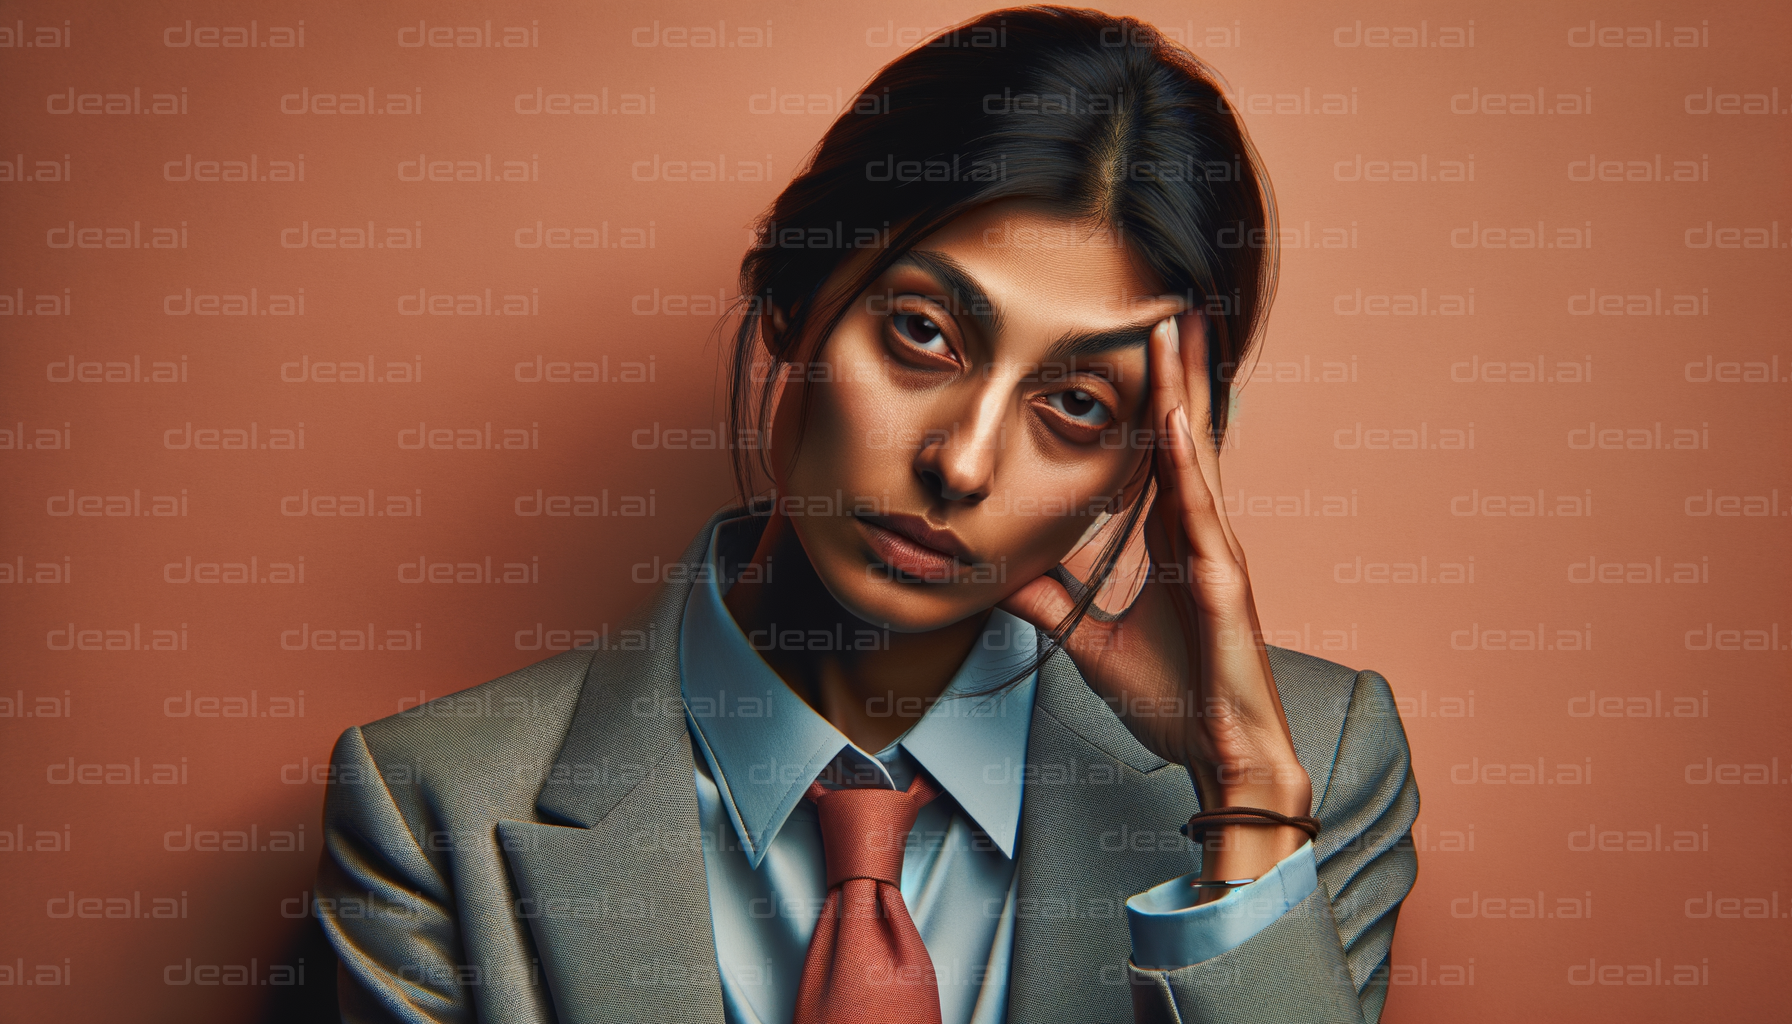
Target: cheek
847 416
1051 502
857 424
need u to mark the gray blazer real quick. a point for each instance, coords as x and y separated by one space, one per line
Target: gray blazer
529 851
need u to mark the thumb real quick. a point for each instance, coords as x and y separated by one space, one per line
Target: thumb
1042 603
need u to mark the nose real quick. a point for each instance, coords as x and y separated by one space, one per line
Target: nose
959 464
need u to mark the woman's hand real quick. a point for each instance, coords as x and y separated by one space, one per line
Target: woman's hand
1183 667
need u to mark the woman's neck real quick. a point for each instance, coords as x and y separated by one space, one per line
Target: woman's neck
872 695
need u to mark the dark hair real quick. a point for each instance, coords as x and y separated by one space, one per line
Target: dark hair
1098 116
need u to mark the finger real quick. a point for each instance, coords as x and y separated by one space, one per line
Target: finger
1200 442
1179 469
1163 533
1188 515
1169 387
1218 587
1193 349
1200 513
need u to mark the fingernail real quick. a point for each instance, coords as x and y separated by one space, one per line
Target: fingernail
1175 335
1181 416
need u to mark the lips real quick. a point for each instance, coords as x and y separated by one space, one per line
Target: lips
909 545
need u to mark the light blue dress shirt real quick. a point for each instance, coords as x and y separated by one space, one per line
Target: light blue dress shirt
762 745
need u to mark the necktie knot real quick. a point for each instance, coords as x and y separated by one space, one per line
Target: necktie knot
864 831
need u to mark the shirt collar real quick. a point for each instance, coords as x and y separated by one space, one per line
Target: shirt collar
764 744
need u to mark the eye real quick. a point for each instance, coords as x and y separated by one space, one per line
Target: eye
1080 406
921 331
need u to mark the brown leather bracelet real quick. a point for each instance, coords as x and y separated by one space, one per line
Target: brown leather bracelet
1197 826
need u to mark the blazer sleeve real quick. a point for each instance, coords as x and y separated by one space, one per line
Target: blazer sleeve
1324 960
385 906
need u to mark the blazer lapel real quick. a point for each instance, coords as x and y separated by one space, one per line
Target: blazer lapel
620 910
612 881
1098 824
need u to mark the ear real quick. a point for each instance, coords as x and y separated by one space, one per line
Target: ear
787 401
773 325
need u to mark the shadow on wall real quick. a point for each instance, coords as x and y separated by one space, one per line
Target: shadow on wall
313 1001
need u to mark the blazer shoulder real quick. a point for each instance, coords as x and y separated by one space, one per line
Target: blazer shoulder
1328 691
492 727
1323 701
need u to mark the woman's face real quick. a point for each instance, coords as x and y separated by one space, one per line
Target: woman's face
973 412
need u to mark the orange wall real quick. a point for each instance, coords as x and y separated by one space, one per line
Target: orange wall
1568 691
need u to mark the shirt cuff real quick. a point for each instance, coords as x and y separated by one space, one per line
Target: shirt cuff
1170 932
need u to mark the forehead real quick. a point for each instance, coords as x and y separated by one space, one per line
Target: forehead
1048 271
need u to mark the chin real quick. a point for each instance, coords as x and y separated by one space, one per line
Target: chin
865 588
905 606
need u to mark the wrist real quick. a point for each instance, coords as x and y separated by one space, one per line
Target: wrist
1282 787
1249 851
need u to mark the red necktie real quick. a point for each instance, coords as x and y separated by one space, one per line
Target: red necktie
866 963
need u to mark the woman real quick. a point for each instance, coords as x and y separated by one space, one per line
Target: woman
912 734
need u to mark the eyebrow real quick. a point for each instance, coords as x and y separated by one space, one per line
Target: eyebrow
963 289
969 296
1093 343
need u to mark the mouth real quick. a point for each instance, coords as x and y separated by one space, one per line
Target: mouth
910 546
